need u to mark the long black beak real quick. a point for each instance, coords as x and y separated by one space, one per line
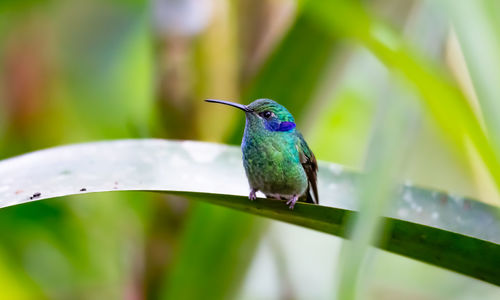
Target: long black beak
240 106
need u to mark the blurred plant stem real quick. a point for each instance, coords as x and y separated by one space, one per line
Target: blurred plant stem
175 87
473 48
390 140
476 24
26 74
287 289
217 76
263 26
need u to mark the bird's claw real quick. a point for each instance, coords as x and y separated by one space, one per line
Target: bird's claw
291 202
253 195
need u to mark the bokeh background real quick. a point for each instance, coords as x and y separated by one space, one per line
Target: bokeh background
75 71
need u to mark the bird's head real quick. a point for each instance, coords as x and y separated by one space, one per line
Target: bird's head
265 114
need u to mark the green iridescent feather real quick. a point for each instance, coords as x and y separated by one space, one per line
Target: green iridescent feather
277 159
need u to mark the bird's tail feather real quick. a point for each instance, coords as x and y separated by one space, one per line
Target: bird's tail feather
309 197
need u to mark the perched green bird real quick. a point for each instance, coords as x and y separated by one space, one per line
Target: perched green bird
276 157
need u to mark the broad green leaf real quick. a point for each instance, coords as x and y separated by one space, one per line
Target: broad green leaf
442 229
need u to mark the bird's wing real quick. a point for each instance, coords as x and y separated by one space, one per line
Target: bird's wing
309 164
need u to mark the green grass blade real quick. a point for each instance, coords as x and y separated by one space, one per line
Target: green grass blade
475 23
439 94
445 230
388 148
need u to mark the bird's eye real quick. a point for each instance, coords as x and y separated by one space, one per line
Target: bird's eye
266 114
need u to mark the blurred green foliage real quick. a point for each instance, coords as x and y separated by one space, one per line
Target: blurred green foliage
74 71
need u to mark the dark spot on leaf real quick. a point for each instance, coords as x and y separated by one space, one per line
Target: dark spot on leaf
35 195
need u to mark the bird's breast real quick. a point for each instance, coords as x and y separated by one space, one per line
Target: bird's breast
272 163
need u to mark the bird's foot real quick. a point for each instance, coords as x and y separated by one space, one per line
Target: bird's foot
291 202
253 195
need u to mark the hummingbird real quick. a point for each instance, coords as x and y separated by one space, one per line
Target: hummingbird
277 160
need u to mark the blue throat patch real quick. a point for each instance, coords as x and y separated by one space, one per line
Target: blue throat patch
283 126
